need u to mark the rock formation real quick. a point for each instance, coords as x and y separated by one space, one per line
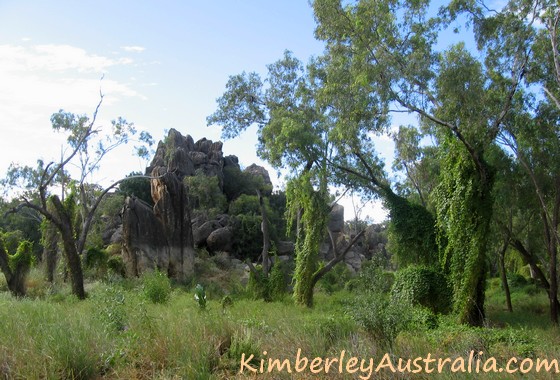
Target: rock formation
162 237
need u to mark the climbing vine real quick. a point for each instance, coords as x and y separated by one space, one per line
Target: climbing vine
412 236
312 207
464 209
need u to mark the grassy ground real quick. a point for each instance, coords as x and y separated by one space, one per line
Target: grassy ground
117 333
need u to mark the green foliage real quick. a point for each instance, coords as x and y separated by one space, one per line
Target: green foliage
423 286
157 287
464 211
380 317
412 236
26 225
372 278
336 279
226 303
115 263
23 258
95 258
301 195
247 236
271 288
246 223
243 345
138 187
238 183
11 240
111 308
246 205
277 281
258 285
205 194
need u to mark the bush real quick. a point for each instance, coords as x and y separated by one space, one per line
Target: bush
277 283
516 280
116 265
336 278
424 286
380 317
258 286
157 287
372 278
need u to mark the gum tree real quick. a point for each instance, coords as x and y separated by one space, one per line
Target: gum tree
73 212
389 49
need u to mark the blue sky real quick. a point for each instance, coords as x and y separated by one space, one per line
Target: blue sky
164 64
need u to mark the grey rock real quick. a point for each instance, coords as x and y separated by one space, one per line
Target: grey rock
220 240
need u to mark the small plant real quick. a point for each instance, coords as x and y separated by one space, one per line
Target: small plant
200 296
110 306
227 301
157 287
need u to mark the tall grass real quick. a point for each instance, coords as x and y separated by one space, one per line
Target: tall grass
119 334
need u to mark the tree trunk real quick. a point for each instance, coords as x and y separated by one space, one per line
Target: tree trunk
539 274
338 257
50 250
266 235
503 276
70 249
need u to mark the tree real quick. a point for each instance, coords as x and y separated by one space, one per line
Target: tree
137 185
530 133
389 50
86 149
293 134
15 266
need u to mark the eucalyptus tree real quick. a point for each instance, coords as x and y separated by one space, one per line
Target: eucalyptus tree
390 49
531 132
73 212
295 133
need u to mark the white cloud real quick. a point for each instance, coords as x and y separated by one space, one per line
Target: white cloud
54 58
135 49
39 80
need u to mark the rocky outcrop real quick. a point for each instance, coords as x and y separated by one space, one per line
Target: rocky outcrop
259 171
144 243
184 156
336 219
162 237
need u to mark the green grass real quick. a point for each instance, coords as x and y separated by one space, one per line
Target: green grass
117 333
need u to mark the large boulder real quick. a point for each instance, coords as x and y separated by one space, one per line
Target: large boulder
201 233
285 248
220 240
336 219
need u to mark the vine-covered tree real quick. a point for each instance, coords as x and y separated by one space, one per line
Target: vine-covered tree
389 48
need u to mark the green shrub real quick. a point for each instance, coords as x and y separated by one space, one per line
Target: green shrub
200 296
247 236
336 278
111 309
244 345
372 278
157 287
424 286
277 283
258 285
516 280
95 258
116 265
380 317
